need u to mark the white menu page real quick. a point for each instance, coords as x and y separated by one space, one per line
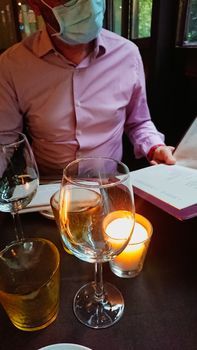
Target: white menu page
173 188
186 151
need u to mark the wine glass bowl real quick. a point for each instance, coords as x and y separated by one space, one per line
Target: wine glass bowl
97 215
19 177
85 224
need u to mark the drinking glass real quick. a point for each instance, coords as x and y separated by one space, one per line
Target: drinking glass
29 283
19 177
96 214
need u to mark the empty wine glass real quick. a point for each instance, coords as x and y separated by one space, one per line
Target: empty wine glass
19 177
96 214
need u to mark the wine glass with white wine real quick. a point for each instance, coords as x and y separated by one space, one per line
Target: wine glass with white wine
19 178
96 216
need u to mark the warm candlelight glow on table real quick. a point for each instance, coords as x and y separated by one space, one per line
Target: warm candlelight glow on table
130 261
118 226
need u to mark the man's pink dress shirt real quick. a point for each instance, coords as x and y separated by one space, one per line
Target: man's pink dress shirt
70 110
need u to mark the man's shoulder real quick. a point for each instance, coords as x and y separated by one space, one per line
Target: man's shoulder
11 51
18 50
111 38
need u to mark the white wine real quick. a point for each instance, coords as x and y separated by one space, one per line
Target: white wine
82 225
54 202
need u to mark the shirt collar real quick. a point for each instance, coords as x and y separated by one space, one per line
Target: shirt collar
43 44
100 47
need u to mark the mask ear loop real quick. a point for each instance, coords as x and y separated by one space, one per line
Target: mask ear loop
58 34
66 4
73 2
51 8
46 4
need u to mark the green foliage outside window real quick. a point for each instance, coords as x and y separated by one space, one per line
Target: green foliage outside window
140 17
191 27
145 15
117 16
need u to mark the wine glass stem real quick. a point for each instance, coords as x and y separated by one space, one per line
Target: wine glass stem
99 290
18 226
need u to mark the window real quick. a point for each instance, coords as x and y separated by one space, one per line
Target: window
191 23
131 18
8 34
28 21
117 10
187 23
141 19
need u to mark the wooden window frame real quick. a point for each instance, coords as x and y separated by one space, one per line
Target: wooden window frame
181 25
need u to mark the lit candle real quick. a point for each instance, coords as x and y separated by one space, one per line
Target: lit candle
118 226
129 263
132 254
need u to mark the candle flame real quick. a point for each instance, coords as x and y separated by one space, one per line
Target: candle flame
139 235
119 224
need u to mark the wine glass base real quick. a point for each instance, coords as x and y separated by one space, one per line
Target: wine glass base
98 313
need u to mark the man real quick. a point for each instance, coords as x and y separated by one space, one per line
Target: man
76 88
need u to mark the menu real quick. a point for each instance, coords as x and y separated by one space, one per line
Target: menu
173 188
186 151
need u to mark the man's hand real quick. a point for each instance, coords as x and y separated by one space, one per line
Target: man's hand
163 154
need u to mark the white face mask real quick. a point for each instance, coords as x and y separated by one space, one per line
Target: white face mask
80 21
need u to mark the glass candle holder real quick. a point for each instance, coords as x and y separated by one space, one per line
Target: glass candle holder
130 262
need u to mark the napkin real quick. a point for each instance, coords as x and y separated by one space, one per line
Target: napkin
41 200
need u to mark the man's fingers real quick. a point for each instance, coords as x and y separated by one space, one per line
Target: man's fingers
163 154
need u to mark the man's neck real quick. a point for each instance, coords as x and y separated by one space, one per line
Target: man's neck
74 53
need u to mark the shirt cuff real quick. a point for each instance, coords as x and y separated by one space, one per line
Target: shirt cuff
152 150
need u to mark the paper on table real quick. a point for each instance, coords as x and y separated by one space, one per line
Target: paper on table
173 188
41 200
174 184
21 191
186 151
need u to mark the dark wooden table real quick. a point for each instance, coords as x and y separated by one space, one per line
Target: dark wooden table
160 304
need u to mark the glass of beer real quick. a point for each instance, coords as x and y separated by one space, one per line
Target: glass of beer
54 202
29 283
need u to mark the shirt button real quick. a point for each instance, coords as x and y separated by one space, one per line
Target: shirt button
79 132
78 103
